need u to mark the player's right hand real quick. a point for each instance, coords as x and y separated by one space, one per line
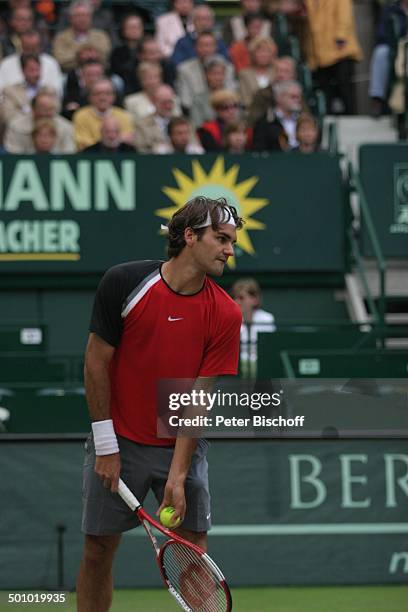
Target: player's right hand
108 469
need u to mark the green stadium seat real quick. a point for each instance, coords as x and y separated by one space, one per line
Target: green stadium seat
307 337
47 409
23 338
345 363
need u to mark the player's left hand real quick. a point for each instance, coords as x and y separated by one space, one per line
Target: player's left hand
174 496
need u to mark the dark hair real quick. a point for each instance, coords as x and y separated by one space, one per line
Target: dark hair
249 17
175 121
194 214
205 33
29 57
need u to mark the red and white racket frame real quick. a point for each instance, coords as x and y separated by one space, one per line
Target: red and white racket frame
147 521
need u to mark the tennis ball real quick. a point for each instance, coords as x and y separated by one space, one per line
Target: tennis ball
166 517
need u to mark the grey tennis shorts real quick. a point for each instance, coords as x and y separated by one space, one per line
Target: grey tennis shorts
143 468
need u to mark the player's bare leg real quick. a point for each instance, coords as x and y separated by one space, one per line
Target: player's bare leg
95 583
196 537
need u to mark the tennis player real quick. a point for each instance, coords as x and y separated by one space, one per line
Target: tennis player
153 320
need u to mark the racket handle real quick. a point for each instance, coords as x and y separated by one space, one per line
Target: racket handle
127 496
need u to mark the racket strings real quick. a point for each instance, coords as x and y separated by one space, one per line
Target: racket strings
192 577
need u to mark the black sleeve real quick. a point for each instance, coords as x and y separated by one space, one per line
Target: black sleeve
115 287
106 319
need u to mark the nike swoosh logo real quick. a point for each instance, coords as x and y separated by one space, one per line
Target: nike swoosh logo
175 318
208 516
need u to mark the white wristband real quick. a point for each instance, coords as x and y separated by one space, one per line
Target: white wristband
105 438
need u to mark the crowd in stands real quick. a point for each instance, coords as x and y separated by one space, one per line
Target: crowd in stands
86 76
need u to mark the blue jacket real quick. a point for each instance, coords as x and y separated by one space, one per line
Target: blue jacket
185 49
385 34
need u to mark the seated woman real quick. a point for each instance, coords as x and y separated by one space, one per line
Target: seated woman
263 52
238 51
226 106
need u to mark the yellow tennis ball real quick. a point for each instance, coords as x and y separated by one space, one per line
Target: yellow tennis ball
166 517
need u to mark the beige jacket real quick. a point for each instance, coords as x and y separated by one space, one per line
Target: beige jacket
330 21
248 84
18 135
66 46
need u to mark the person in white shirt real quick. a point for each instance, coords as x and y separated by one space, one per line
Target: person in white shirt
10 68
247 294
172 26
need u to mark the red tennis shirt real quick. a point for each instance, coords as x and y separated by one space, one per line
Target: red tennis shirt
160 334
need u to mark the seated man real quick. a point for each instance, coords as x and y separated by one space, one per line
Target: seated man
10 67
181 139
18 136
276 130
17 98
247 294
110 141
77 95
203 21
67 42
191 73
152 131
88 120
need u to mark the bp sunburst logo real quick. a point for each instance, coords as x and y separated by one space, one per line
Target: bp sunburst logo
218 183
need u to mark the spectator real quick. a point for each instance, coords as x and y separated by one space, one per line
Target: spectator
226 107
21 21
150 52
191 76
78 94
41 19
203 21
173 25
17 98
307 134
276 130
263 52
247 294
44 136
141 104
181 139
10 67
238 51
111 141
215 70
67 42
380 68
151 131
18 137
88 120
235 28
124 58
236 137
285 70
332 49
102 19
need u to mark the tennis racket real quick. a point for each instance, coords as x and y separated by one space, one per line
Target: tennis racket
190 575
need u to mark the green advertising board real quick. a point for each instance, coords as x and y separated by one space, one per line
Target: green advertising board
384 176
284 512
80 215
